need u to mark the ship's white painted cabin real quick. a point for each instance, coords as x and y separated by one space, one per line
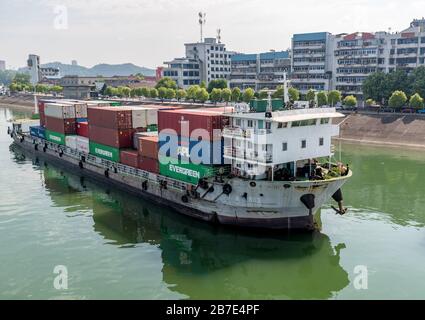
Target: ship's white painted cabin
258 145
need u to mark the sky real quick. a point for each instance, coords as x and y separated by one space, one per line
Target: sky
149 32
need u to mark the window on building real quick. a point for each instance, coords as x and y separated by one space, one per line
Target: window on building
324 121
321 141
249 123
284 146
281 125
238 122
249 145
303 144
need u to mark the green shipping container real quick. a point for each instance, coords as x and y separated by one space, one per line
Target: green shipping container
115 104
186 172
152 128
55 137
105 152
261 105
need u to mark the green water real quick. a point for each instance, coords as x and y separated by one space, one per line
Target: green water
117 246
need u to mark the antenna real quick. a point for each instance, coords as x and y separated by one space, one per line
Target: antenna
202 22
219 35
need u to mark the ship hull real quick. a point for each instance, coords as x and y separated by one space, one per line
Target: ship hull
280 206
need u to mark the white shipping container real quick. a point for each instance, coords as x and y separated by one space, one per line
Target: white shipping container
152 115
81 110
71 141
60 111
138 116
83 144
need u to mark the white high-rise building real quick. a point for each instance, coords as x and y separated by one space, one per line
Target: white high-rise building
33 64
204 61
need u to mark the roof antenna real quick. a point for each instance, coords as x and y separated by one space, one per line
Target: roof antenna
202 21
219 35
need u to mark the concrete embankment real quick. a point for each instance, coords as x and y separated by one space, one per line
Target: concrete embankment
399 130
17 102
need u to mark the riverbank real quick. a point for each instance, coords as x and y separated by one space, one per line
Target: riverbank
19 103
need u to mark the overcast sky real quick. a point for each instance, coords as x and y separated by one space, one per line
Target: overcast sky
149 32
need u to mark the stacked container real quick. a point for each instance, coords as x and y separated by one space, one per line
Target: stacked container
148 153
59 119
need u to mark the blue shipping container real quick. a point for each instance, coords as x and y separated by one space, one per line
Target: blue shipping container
38 131
197 151
82 120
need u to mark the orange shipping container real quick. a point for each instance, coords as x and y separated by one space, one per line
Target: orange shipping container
148 147
129 158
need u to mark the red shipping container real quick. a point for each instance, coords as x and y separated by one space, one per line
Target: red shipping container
65 126
148 164
83 129
118 138
148 147
110 117
210 120
41 113
129 158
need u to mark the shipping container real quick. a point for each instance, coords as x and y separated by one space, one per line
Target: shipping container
118 138
80 110
185 121
41 113
38 132
105 152
59 110
65 126
139 117
136 136
186 172
129 158
83 144
81 120
152 128
148 147
110 117
55 137
198 151
261 105
71 142
148 164
83 129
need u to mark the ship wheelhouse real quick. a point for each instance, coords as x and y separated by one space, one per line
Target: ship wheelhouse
282 145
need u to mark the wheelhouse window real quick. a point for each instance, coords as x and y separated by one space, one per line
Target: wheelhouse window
284 146
303 144
321 141
324 121
304 123
281 125
250 123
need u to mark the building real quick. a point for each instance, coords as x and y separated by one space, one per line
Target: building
203 61
78 88
2 65
259 71
38 73
312 61
322 61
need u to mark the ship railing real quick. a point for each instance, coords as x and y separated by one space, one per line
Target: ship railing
240 153
245 133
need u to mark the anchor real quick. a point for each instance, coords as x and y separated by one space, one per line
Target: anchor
337 196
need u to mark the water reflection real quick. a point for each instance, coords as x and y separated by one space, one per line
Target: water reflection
203 261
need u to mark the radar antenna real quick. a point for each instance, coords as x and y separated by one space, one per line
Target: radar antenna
202 20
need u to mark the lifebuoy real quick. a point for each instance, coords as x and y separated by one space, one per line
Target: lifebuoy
227 189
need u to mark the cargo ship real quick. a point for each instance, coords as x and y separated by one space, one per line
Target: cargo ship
257 165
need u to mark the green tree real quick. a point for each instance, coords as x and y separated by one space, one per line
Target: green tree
350 101
153 93
236 94
41 88
334 97
192 92
416 101
226 95
398 99
124 91
202 95
322 98
7 76
145 92
375 87
310 95
248 95
263 94
417 79
203 84
370 102
162 93
278 94
215 95
133 92
181 94
217 83
294 94
166 82
171 93
22 78
56 89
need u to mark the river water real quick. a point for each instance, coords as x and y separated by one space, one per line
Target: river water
117 246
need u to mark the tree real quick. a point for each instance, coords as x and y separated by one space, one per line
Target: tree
56 89
133 92
226 95
144 92
294 94
181 94
350 101
124 91
418 81
40 88
370 102
398 99
310 95
416 101
278 94
202 95
170 94
375 87
322 99
22 78
192 92
7 76
236 94
162 93
203 84
166 82
263 94
217 83
14 87
109 91
334 97
153 93
215 95
248 95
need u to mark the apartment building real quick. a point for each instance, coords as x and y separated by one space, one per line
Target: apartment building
204 61
259 71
